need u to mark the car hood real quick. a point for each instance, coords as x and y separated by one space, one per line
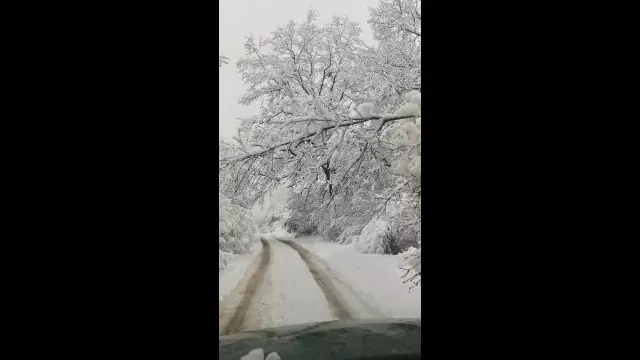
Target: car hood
339 339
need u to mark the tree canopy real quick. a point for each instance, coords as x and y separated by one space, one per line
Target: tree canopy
339 125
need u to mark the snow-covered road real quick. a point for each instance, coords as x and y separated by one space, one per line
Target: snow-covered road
289 294
305 280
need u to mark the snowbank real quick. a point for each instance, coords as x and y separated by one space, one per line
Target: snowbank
223 259
234 269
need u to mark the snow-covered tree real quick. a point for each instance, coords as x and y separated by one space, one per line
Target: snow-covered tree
339 126
396 24
235 229
397 20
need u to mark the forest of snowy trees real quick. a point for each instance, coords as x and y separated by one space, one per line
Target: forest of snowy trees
339 128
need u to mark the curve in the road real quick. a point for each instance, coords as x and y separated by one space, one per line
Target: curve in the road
337 306
236 321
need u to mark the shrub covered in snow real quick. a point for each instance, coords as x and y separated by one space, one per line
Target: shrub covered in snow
235 227
376 238
350 234
332 233
299 223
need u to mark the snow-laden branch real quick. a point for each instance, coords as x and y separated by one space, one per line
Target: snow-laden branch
222 60
412 31
384 119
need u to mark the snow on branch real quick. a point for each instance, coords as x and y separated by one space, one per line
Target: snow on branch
222 60
412 267
322 129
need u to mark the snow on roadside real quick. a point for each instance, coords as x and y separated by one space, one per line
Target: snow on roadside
235 270
374 277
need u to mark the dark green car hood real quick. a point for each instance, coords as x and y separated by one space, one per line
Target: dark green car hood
340 339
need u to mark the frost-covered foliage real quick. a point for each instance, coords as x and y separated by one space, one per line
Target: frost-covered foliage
350 234
222 60
339 125
271 211
235 228
411 266
299 224
397 20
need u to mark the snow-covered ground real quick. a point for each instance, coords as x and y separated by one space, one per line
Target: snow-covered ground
373 278
237 268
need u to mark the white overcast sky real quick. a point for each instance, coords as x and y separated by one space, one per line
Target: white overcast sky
239 18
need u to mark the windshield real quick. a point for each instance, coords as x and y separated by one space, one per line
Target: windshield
319 163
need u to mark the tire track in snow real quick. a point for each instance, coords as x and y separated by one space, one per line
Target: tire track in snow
235 322
289 294
338 307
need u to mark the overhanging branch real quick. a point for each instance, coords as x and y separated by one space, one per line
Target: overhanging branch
324 128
